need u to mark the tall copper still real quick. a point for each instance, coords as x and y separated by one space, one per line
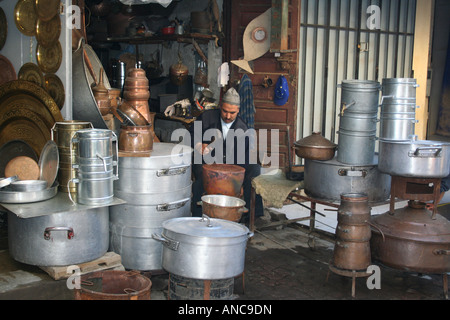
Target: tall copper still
136 92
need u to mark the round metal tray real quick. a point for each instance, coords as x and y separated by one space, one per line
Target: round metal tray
27 197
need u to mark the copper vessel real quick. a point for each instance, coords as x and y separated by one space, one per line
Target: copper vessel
315 147
410 240
224 179
114 97
131 115
136 91
178 72
136 139
101 96
353 233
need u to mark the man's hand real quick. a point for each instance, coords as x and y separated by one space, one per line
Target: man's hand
202 148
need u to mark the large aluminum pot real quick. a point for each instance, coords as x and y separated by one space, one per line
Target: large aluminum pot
356 148
327 180
415 158
358 122
397 128
399 87
359 96
204 248
166 170
59 239
132 226
410 240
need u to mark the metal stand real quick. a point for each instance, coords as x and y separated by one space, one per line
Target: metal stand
420 189
348 273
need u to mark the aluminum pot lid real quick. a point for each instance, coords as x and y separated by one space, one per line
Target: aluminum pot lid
315 140
414 141
49 163
205 227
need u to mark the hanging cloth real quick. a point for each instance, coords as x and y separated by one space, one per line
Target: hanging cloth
247 109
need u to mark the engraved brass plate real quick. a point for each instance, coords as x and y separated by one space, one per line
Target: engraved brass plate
25 17
47 9
49 59
48 32
55 88
31 72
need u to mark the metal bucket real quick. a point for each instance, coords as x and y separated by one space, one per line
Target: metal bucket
399 88
114 285
356 148
62 133
359 96
358 122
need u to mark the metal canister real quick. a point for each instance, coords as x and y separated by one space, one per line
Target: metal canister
62 133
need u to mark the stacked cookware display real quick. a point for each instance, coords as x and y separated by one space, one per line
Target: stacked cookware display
355 166
96 166
412 238
156 188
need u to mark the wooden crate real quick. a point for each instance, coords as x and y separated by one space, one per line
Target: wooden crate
110 261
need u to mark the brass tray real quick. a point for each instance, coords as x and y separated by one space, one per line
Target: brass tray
32 123
49 59
55 88
3 28
25 17
7 71
48 32
47 9
31 72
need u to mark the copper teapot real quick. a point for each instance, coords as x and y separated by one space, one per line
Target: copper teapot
178 72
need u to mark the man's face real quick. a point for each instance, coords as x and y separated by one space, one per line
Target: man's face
228 112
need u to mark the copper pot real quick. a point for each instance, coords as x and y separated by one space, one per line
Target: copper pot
315 147
136 91
350 255
224 179
410 240
223 207
178 72
136 139
355 233
354 209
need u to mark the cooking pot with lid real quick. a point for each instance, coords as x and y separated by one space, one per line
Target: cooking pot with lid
203 248
315 147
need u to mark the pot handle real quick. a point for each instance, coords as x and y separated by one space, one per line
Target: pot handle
346 106
441 252
171 244
68 189
208 220
47 235
172 171
172 206
430 152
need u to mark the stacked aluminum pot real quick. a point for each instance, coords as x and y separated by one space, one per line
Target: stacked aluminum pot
358 125
156 189
352 246
95 165
355 167
401 153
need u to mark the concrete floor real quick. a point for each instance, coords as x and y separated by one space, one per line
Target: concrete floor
281 264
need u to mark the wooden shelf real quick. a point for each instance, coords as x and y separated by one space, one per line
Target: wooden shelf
186 38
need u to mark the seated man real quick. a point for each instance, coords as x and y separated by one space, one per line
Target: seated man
223 139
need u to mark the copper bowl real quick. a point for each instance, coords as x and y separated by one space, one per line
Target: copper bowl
136 138
223 207
315 147
225 179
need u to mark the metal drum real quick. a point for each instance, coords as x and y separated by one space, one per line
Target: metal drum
62 133
356 148
327 180
156 189
399 88
359 96
95 166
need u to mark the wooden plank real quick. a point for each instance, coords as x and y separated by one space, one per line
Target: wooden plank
109 261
